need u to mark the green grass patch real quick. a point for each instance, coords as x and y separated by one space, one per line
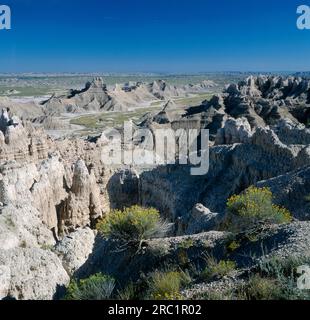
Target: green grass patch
194 100
217 269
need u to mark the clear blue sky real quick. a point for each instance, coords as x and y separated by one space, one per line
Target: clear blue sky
154 36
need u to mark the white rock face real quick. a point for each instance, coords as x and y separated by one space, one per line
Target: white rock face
292 133
16 180
5 279
48 190
202 219
234 131
21 225
35 274
75 249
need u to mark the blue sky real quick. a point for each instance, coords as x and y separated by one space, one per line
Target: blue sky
176 36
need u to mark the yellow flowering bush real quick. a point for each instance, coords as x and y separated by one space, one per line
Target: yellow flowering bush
133 224
254 206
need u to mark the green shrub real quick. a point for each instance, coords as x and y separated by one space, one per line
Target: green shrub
259 288
272 279
252 207
275 279
186 244
167 285
217 269
133 225
285 272
128 293
233 245
96 287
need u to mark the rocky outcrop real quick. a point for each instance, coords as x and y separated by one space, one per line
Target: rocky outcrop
94 97
234 131
71 190
204 86
168 114
292 191
292 133
163 91
23 110
201 219
210 115
123 189
34 274
74 250
20 143
265 100
97 97
82 205
260 100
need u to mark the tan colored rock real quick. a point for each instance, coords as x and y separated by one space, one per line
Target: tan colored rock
82 205
48 190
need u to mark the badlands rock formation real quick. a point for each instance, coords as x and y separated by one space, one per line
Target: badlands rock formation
204 86
97 97
93 97
44 193
24 110
53 191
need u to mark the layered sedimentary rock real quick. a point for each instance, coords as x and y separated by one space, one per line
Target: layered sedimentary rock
82 205
204 86
97 97
53 192
234 131
265 100
24 110
38 181
93 97
246 149
20 143
261 100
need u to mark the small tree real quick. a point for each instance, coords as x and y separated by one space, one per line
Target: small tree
133 225
252 207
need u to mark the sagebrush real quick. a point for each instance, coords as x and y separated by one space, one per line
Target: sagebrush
253 207
133 225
